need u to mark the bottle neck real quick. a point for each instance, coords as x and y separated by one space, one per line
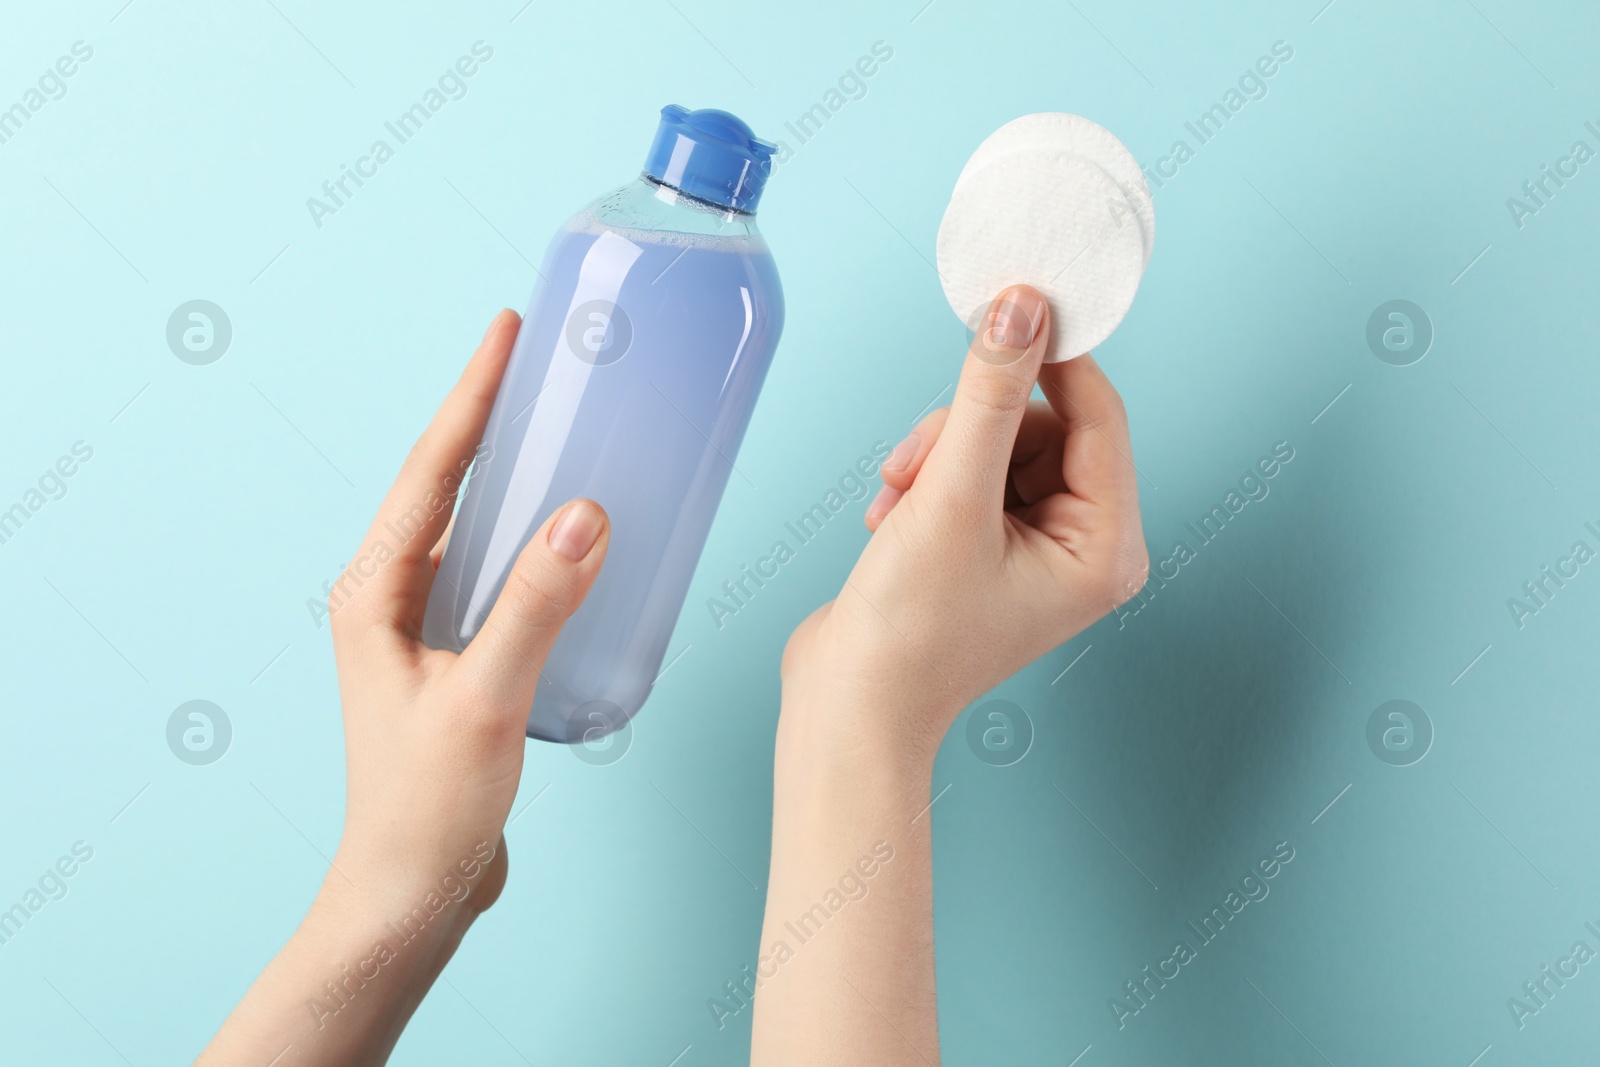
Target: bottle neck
646 204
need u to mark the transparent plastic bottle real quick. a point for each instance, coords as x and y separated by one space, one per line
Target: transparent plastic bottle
632 381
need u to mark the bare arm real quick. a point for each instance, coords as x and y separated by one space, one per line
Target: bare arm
1004 528
433 754
846 966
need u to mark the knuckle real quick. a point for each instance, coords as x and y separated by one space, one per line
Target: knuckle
1113 414
796 647
1126 577
1137 576
1115 406
482 722
488 728
538 594
1109 414
1001 393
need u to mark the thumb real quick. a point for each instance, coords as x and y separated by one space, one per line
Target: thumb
551 577
973 452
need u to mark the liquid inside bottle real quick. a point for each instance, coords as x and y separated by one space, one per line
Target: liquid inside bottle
632 382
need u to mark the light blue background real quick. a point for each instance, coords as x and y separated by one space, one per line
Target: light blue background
1195 735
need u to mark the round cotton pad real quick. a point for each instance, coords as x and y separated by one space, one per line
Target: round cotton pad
1073 133
1052 220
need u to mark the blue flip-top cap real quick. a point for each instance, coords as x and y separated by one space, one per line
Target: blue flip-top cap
711 155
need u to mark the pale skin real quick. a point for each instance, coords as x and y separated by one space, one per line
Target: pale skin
434 748
1004 528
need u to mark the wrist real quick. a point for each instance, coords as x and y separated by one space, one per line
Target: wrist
389 871
412 915
847 766
342 988
840 721
854 695
368 956
406 930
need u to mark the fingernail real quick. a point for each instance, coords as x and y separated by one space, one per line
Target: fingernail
1016 319
883 503
576 531
900 458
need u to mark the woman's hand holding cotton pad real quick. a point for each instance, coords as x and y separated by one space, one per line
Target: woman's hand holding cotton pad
1056 202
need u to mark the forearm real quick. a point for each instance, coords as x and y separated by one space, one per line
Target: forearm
846 968
345 985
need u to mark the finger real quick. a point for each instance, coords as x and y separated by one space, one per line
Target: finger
901 468
1111 547
549 580
391 573
1097 462
1036 459
974 451
881 505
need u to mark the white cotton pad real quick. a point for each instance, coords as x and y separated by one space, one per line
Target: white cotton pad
1050 219
1076 134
